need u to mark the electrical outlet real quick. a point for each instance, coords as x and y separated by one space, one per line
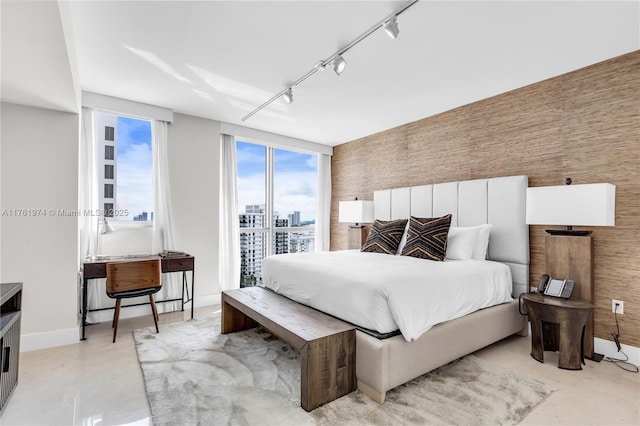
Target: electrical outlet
620 304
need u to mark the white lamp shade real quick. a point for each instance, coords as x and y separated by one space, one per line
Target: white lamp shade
572 205
356 211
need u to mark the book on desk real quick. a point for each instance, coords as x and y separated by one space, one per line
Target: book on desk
172 253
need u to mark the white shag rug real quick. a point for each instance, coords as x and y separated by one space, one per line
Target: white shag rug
196 376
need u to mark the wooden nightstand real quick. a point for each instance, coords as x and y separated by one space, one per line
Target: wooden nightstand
557 325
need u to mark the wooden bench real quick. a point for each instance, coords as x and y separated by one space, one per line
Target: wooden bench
327 345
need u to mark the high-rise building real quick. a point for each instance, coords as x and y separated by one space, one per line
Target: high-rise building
294 218
252 245
144 216
107 151
280 239
301 242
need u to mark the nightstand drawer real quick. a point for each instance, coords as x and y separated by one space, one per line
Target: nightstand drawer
176 265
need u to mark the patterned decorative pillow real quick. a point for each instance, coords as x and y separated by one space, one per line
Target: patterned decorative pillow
384 236
427 237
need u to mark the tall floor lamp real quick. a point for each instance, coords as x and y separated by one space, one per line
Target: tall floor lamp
568 251
356 212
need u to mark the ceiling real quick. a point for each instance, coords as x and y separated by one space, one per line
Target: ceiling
220 60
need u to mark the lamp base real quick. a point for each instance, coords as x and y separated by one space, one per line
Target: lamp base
570 232
356 237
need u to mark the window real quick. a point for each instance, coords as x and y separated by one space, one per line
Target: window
108 171
108 190
109 152
108 133
127 160
108 210
276 205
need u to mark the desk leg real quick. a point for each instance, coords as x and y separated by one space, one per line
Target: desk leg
84 307
184 284
193 296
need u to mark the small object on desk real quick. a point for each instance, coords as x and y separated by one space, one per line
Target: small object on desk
135 255
172 253
98 257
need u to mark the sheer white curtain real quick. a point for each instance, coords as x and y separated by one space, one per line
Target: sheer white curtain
323 203
88 200
162 225
229 239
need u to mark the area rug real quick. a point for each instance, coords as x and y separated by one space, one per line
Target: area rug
196 376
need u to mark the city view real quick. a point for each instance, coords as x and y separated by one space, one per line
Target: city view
291 226
123 148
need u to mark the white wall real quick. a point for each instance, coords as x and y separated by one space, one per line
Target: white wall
40 171
194 159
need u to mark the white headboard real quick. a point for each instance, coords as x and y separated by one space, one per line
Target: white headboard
499 201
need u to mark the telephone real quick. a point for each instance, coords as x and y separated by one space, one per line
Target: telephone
555 287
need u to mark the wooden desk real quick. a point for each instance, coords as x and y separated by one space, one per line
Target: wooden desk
558 325
98 269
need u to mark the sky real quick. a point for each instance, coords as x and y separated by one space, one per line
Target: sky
294 174
134 169
294 180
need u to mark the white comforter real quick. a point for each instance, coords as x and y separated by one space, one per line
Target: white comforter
384 293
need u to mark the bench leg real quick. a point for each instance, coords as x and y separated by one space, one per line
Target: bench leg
233 320
327 369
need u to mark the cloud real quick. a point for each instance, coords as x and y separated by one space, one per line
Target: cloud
293 191
134 165
295 180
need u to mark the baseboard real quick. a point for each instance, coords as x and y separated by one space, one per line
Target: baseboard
49 339
609 349
208 300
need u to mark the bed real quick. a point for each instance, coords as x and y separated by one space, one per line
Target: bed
396 340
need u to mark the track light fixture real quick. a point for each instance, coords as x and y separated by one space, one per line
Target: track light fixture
288 96
391 27
339 64
389 24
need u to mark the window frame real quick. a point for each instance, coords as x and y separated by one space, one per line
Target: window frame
111 165
270 230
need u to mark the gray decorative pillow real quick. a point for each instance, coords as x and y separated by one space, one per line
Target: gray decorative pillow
385 236
427 237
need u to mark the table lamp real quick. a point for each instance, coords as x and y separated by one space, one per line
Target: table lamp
571 205
356 212
568 251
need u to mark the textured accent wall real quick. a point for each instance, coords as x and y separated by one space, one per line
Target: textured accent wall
584 125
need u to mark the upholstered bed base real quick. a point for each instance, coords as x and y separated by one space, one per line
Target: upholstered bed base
384 364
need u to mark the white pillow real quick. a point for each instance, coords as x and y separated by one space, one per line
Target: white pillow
482 243
461 242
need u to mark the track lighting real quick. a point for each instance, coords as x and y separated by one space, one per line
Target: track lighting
391 27
288 96
339 64
389 24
